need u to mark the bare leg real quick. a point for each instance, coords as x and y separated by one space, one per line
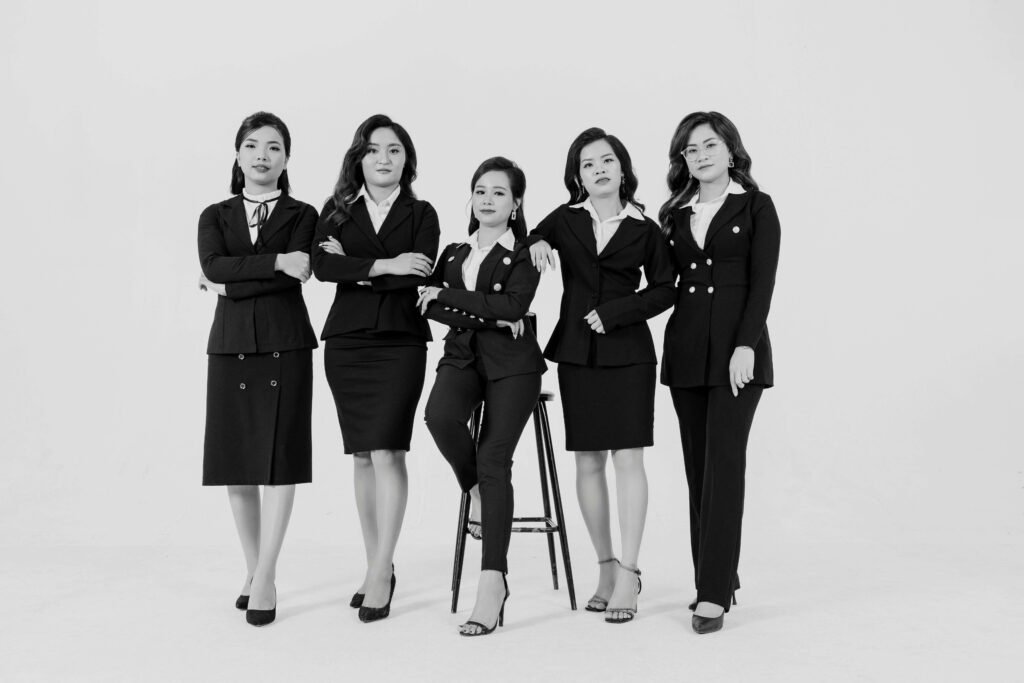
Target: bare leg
490 595
631 492
245 506
474 512
366 505
277 510
392 491
592 492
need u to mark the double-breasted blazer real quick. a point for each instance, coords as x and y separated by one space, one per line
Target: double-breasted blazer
505 287
388 303
724 292
607 283
263 310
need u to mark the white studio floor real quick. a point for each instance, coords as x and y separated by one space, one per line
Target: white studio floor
813 613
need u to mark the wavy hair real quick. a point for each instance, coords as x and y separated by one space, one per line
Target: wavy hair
573 181
253 122
351 179
681 185
517 185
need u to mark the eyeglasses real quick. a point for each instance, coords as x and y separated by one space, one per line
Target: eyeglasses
711 148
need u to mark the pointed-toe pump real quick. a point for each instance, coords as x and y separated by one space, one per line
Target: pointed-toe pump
368 614
262 617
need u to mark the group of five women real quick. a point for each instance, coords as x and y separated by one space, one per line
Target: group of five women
713 258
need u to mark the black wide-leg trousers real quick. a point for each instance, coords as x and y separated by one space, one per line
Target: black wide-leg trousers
508 404
714 426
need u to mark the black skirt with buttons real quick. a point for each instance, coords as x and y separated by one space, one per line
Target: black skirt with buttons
259 418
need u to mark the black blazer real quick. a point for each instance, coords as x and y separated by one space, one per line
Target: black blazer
263 310
606 283
389 304
724 292
505 286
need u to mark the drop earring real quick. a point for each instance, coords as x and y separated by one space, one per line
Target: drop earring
731 163
513 214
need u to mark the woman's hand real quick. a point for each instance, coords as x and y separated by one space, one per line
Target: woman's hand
409 263
205 284
542 256
427 295
594 320
741 368
516 327
332 246
294 263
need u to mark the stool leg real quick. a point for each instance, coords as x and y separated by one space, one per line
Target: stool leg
460 550
544 492
560 516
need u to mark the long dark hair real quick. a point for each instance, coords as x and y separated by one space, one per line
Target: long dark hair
681 185
351 179
249 124
517 185
573 181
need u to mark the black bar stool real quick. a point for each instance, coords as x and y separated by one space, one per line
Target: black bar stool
547 524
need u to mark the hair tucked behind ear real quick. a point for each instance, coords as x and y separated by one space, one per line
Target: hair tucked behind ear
517 185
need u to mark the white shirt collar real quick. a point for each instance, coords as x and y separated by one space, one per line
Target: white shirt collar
628 211
507 240
265 197
732 188
387 202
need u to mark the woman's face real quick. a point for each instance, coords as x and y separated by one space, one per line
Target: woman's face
600 170
384 160
262 159
492 199
706 155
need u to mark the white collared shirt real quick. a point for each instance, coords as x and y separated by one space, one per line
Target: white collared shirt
603 230
477 254
378 212
703 212
250 209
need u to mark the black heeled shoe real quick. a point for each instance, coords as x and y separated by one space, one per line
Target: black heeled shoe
262 617
707 624
357 598
243 600
501 617
368 614
596 603
629 611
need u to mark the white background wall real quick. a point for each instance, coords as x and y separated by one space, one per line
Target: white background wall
888 134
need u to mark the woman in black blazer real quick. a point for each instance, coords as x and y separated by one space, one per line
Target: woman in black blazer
482 289
378 242
254 253
604 350
723 234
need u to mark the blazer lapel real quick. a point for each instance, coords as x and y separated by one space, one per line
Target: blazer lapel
396 216
453 270
582 226
731 207
362 223
279 216
236 221
682 225
492 268
627 232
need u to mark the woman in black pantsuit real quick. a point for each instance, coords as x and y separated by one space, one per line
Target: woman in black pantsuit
482 289
605 353
724 238
254 253
378 242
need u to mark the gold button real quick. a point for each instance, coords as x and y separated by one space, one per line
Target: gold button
672 242
276 354
242 385
497 286
693 266
736 228
273 382
709 262
445 284
241 356
507 261
692 290
450 259
711 290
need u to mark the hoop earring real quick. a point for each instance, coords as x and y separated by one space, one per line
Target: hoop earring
513 214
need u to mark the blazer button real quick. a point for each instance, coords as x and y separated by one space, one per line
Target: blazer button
507 261
445 284
709 262
692 290
693 266
242 386
711 290
241 356
273 382
276 354
450 259
735 228
497 286
672 243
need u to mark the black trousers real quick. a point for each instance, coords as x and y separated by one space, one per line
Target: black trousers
714 426
508 403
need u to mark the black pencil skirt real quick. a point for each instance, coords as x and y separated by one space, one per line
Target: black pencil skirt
259 419
376 389
607 408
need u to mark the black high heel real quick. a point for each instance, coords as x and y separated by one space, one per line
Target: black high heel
368 614
262 617
501 617
707 624
357 597
630 611
243 600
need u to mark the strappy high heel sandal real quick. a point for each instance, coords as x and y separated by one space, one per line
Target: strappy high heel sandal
597 603
630 612
483 630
